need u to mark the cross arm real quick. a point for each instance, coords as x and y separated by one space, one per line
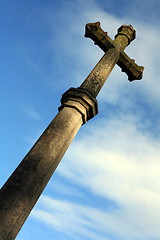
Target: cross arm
100 38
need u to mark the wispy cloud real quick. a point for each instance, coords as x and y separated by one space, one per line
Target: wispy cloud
29 111
121 163
70 217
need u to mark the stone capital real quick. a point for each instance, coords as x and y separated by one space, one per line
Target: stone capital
81 100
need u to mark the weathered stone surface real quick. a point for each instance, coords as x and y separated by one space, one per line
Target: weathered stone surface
96 79
128 31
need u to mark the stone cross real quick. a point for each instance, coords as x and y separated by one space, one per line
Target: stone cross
22 190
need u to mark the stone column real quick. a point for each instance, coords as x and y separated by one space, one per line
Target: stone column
22 190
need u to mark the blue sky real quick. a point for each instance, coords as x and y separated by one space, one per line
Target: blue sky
107 185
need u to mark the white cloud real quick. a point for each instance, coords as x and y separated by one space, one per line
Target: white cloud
73 218
121 163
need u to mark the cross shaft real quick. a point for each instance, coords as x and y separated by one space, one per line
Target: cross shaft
22 190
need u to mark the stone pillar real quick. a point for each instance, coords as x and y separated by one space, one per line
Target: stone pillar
22 190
